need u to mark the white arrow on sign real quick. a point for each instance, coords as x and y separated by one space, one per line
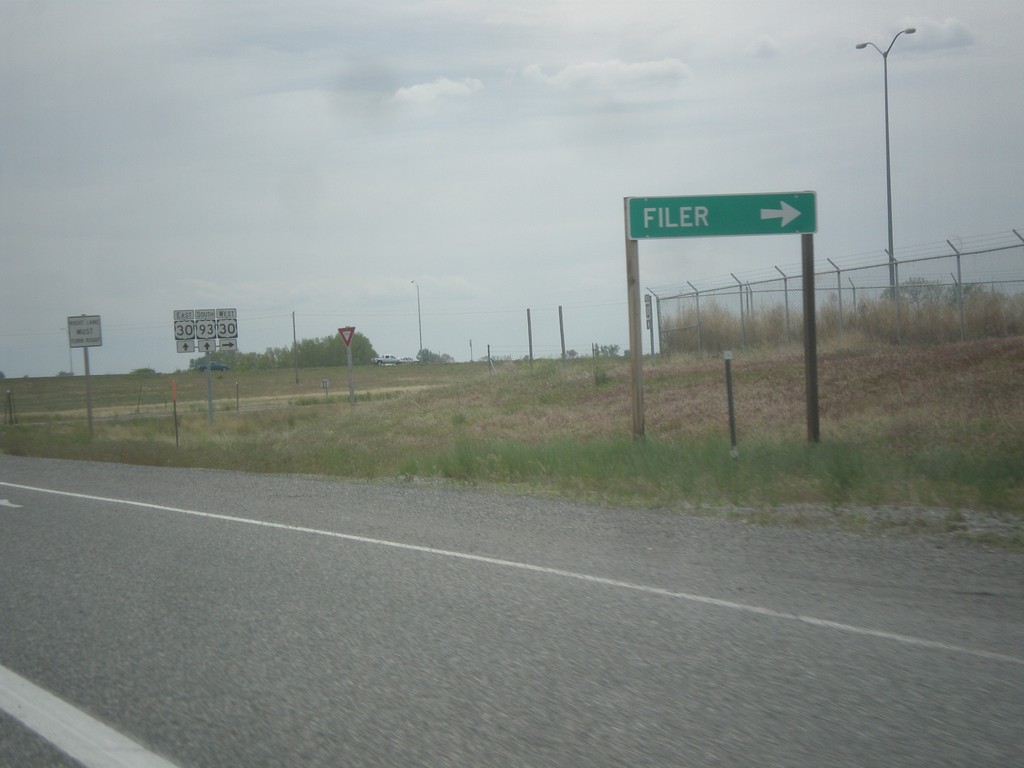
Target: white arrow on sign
787 213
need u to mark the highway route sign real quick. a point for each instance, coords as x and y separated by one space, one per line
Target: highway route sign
227 324
184 325
206 330
206 324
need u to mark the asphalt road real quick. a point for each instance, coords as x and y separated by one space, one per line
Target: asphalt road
226 619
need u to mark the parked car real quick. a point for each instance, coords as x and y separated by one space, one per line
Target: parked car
214 365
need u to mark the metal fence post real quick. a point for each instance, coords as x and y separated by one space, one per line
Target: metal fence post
696 294
896 295
785 295
959 283
839 291
743 325
872 311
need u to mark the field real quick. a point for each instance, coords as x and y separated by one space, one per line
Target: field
923 438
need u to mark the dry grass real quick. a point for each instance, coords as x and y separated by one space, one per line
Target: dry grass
938 426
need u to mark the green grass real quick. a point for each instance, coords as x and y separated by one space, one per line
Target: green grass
937 427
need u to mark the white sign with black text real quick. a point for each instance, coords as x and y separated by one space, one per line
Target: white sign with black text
206 330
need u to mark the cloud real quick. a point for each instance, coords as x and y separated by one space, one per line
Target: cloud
764 47
612 74
160 156
441 88
951 33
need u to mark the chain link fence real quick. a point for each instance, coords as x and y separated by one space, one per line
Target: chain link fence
968 290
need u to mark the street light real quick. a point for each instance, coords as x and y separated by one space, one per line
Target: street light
888 168
419 316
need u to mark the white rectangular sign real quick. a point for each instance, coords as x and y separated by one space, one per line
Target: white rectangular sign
206 324
85 331
227 324
184 326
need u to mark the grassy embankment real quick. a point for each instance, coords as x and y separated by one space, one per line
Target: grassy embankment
908 428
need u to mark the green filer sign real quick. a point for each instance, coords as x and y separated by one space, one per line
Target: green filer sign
780 213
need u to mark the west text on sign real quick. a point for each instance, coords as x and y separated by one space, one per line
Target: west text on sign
227 324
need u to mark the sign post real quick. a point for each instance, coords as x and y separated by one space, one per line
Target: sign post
174 400
346 336
85 331
206 330
636 339
777 213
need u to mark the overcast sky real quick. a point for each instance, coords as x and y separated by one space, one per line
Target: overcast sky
318 157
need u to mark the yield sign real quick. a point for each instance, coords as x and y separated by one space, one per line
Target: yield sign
346 334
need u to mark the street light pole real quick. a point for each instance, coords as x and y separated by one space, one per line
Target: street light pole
71 363
888 164
419 316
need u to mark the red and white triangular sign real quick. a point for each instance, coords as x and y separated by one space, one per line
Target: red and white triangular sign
346 334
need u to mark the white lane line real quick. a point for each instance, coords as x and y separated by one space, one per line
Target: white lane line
645 588
70 730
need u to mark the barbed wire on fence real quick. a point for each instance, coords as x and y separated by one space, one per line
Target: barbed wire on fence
966 289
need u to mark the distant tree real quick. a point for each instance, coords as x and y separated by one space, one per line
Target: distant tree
426 356
362 350
306 353
2 375
326 352
143 372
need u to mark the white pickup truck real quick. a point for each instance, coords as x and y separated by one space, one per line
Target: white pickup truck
385 360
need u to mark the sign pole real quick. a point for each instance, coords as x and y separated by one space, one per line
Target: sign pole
209 389
174 401
85 331
810 338
347 333
88 389
636 340
207 331
777 213
733 451
351 388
